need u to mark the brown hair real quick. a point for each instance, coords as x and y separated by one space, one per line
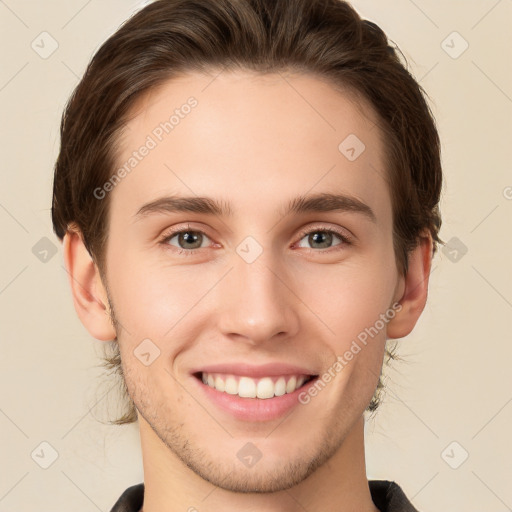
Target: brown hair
326 38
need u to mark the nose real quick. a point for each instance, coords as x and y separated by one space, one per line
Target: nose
256 301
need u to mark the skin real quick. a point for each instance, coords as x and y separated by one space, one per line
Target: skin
255 143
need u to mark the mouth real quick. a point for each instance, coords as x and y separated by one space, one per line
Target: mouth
262 388
252 393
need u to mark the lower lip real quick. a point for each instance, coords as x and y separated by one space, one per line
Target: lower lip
254 409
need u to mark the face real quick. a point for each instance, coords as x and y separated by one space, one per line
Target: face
265 277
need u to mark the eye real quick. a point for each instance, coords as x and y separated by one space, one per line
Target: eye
321 238
185 240
188 241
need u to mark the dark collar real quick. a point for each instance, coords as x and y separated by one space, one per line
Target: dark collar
387 496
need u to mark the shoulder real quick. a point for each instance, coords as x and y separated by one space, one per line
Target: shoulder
388 496
131 500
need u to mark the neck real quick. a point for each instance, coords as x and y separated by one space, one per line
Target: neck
339 485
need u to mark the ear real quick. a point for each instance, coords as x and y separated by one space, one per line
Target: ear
415 289
89 293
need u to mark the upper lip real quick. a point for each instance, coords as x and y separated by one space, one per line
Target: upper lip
264 370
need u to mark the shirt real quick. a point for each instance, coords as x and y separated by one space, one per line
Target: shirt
387 497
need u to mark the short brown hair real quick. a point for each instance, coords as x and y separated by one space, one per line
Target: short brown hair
326 38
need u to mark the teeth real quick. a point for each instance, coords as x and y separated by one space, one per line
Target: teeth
280 387
291 385
265 388
246 387
231 386
220 385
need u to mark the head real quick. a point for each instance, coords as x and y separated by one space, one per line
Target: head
251 103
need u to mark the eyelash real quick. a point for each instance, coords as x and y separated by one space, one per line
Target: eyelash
345 239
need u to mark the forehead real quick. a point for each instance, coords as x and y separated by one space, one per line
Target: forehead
250 139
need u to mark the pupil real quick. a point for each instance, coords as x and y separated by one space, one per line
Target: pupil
189 235
314 237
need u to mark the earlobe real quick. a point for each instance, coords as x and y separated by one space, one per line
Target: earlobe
415 289
89 294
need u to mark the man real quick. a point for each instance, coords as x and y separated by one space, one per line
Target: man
286 143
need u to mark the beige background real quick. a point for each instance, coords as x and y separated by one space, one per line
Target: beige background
455 382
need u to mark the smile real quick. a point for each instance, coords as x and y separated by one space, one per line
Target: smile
248 387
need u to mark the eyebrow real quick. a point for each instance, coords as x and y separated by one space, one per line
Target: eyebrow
320 202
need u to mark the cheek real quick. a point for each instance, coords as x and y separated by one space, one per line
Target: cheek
161 303
349 297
